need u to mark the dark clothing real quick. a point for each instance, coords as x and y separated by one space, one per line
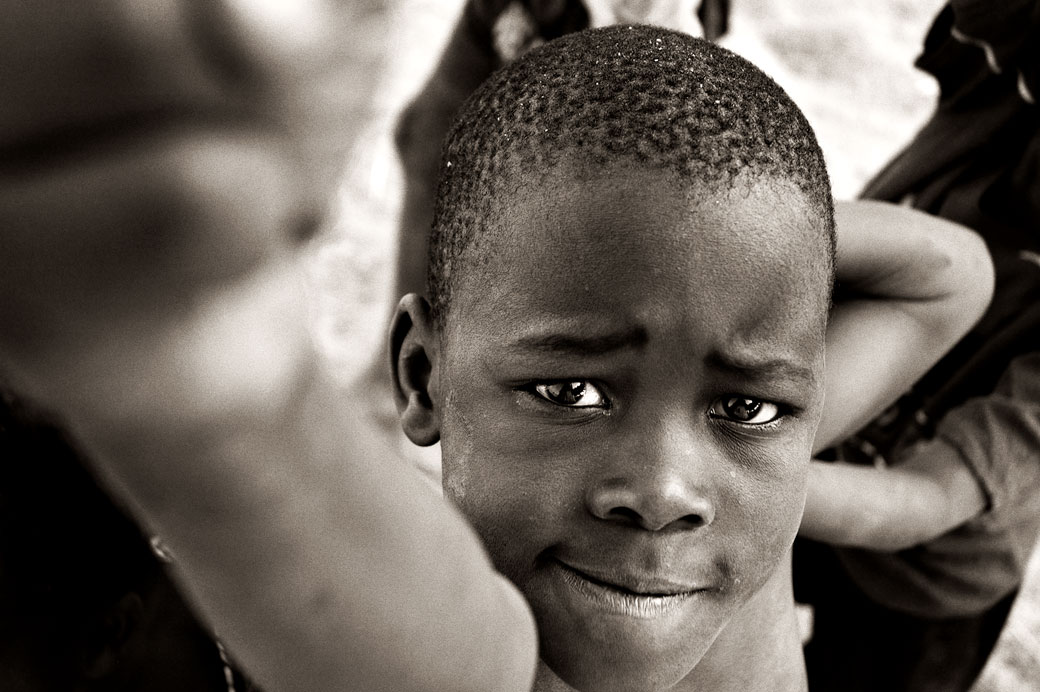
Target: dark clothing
926 618
859 646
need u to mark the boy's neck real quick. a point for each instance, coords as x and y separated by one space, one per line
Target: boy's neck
759 650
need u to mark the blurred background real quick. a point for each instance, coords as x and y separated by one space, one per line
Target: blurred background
848 64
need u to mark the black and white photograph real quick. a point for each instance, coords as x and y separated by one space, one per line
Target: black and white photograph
520 346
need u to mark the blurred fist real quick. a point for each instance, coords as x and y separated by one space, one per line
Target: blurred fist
159 161
73 72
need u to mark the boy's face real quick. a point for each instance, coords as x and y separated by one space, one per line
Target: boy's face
626 394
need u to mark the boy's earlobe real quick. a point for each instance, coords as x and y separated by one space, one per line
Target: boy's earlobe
413 362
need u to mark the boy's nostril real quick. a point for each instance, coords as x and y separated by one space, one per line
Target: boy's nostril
627 514
630 516
692 520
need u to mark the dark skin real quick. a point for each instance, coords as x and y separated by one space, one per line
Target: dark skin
626 395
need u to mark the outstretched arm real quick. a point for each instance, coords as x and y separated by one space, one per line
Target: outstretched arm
910 286
160 164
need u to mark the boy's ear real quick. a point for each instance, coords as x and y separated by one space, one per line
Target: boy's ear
413 364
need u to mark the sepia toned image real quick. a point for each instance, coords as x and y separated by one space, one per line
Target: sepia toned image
549 345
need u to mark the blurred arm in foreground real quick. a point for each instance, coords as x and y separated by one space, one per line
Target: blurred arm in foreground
160 166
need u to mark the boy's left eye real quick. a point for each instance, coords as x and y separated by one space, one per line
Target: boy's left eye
746 410
573 394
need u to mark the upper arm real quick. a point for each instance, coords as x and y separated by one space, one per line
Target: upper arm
909 286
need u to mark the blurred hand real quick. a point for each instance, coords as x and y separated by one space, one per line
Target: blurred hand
159 162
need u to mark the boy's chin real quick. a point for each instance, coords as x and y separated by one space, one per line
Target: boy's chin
617 667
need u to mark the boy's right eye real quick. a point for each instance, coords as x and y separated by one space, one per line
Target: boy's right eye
572 394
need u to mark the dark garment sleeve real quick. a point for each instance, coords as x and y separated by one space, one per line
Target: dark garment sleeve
998 436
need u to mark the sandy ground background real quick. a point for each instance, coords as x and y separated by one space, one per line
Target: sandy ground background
848 64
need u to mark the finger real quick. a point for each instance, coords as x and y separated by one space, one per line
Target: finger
69 66
73 72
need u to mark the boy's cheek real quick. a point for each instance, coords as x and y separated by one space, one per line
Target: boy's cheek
520 500
515 516
759 513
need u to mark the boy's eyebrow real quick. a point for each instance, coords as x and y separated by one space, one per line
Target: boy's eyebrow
594 344
754 367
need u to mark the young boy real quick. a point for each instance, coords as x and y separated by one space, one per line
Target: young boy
622 354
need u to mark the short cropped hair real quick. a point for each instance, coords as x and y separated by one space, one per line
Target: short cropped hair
656 98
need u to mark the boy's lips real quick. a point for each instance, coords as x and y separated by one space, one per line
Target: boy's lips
631 583
624 593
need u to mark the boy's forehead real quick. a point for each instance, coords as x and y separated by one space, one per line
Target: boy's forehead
622 211
574 185
574 240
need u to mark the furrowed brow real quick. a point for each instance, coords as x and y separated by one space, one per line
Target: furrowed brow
594 344
762 368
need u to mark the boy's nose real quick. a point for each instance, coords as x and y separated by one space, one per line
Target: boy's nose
664 481
651 503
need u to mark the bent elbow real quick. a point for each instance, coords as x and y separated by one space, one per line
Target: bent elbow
973 280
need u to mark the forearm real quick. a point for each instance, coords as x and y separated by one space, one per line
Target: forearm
861 506
889 508
323 562
890 251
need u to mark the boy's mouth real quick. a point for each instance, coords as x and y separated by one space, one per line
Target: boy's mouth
626 596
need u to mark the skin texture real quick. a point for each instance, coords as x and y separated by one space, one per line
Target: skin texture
655 304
